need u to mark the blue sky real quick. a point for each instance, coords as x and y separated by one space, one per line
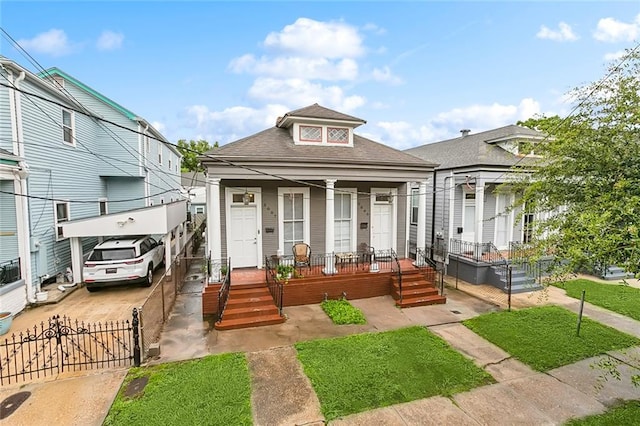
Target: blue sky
418 72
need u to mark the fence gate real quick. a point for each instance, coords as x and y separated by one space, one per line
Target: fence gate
69 345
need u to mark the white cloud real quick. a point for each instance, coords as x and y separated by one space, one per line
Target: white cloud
159 126
307 37
445 125
301 92
53 42
110 40
297 67
371 27
385 74
614 56
563 33
611 30
232 123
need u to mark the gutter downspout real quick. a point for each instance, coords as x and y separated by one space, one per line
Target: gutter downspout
24 239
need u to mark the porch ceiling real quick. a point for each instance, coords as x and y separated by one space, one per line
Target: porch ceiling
160 219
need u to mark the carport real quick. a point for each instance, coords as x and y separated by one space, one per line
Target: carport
163 219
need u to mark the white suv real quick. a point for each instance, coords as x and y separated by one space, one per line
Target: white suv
123 260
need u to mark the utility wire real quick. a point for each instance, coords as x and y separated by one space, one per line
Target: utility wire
36 197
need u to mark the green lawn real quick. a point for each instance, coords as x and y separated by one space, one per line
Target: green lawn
213 390
365 371
342 312
625 414
545 337
618 298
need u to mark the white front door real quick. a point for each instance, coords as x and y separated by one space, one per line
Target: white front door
381 227
469 217
504 222
243 236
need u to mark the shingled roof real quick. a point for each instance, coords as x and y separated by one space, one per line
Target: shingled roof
317 111
276 144
479 149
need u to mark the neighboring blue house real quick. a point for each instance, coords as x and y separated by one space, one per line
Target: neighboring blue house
67 152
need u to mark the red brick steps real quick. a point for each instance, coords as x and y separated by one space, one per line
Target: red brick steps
417 290
249 305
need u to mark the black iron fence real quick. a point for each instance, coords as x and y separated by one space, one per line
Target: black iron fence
64 345
10 271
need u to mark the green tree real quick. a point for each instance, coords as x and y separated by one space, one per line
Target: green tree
541 123
190 151
589 174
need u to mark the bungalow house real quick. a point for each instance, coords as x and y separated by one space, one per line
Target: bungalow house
67 152
310 179
466 215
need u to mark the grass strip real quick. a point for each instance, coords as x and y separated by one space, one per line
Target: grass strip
212 390
627 413
366 371
342 312
545 337
619 298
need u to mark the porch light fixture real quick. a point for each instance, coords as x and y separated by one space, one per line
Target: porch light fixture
246 199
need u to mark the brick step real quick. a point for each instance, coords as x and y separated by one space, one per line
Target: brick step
248 285
248 292
413 285
244 302
250 311
231 324
410 292
408 302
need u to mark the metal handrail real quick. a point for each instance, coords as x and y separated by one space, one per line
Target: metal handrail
398 271
437 272
276 287
225 287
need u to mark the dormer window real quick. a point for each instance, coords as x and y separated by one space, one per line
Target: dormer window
337 135
310 134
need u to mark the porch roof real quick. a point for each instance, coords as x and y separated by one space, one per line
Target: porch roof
153 220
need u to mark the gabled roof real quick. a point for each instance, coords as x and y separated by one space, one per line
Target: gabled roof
478 149
276 144
317 112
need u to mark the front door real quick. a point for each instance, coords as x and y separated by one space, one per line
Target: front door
381 227
243 236
504 222
469 217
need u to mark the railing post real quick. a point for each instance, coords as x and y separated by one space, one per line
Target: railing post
136 338
509 270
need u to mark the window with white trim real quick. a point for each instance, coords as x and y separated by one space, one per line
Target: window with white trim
199 209
342 216
293 218
310 134
337 135
415 197
68 131
170 160
61 212
160 153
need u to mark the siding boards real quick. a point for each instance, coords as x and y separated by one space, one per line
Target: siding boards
6 139
122 188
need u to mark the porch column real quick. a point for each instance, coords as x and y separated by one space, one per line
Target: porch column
479 210
76 259
214 243
421 238
329 235
167 254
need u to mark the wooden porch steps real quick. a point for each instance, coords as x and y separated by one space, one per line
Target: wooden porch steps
249 305
417 290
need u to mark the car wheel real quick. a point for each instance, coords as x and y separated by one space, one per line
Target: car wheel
92 289
149 279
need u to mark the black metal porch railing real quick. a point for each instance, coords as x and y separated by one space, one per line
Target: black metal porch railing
433 271
274 284
396 269
222 269
10 271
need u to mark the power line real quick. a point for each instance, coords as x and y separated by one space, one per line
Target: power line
36 197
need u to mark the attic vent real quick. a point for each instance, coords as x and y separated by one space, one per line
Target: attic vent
465 132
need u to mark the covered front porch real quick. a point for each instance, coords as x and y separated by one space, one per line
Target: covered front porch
249 297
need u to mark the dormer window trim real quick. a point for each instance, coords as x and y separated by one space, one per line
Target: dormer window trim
326 131
306 138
